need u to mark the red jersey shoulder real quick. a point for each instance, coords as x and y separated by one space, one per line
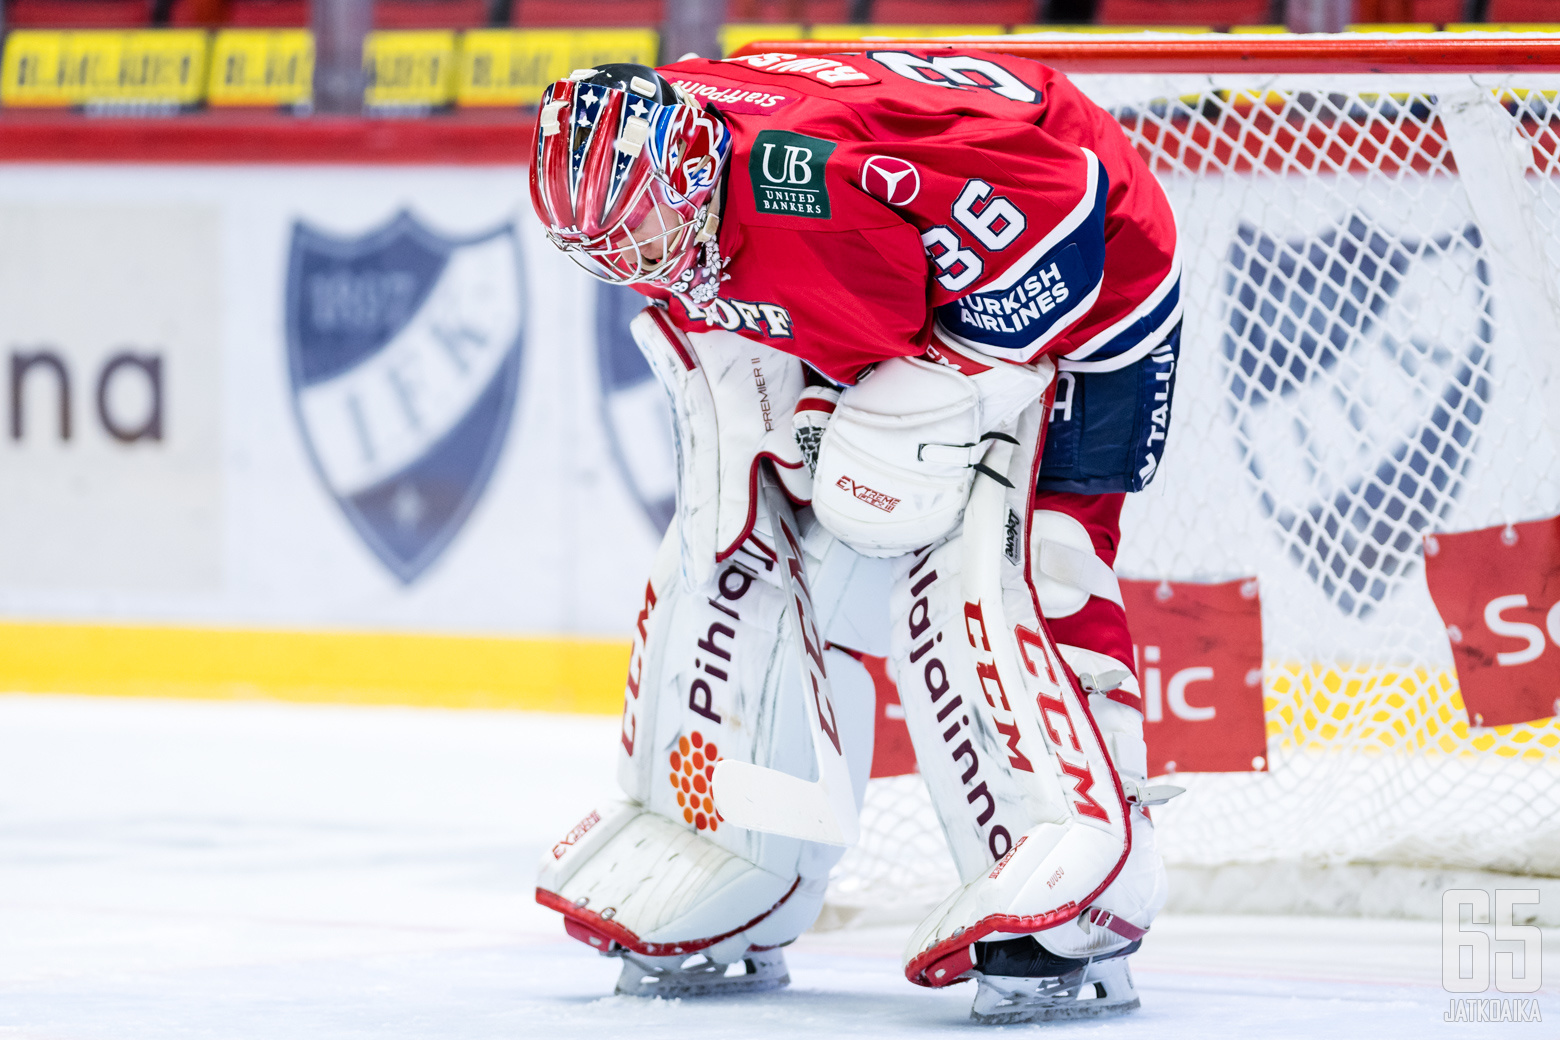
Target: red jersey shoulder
909 82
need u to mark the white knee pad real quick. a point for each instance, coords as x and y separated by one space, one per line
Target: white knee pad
1066 569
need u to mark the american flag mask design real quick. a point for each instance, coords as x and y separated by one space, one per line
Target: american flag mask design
623 183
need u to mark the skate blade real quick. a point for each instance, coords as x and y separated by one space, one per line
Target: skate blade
1001 1001
1057 1012
697 977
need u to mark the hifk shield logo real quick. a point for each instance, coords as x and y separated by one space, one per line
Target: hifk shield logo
404 350
1358 373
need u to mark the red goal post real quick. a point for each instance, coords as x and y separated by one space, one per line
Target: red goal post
1370 235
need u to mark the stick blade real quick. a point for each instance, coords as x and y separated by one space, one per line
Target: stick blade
768 800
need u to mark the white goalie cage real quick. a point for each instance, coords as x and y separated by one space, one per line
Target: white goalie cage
1372 285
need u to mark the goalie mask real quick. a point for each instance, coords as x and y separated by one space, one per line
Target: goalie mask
625 170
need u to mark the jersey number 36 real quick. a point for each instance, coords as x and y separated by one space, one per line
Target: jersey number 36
991 219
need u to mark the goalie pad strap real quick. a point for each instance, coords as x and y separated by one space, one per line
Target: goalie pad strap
1107 920
1080 569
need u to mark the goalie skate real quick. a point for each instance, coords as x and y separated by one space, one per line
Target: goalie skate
1020 981
698 976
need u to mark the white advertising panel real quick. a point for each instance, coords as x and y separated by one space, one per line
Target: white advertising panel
315 398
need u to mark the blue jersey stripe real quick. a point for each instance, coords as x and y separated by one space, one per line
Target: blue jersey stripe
1134 338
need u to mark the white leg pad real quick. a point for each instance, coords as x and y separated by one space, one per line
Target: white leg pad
1139 891
654 887
713 669
1018 769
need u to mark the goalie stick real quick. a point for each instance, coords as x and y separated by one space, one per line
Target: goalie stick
763 799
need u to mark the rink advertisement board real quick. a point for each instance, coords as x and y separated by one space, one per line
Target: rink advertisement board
1498 591
1197 651
293 404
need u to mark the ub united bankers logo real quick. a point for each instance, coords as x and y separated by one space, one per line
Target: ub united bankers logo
404 351
787 171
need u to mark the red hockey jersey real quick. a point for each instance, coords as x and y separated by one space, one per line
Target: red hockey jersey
871 195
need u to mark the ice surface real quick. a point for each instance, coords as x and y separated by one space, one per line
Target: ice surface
253 870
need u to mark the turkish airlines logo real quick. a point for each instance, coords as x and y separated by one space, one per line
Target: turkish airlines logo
895 181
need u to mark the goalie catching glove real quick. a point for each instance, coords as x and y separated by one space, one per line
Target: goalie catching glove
897 453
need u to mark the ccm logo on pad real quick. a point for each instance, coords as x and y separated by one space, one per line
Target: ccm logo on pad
876 499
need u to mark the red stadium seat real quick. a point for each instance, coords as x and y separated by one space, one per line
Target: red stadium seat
1434 11
1437 11
973 12
1181 12
77 14
269 14
1523 11
551 14
430 14
808 11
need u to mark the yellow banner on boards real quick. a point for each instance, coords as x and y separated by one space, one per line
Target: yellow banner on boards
410 69
509 67
159 68
268 67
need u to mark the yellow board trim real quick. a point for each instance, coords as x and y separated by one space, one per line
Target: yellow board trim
436 671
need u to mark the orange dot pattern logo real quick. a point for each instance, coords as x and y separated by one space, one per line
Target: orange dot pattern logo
693 769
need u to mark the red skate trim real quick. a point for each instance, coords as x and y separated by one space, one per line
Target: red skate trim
919 969
602 933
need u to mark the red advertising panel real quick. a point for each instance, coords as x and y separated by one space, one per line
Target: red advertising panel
1498 591
892 753
1199 663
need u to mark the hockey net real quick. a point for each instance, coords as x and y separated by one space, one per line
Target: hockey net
1372 286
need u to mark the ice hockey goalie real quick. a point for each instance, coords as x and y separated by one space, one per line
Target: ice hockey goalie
918 315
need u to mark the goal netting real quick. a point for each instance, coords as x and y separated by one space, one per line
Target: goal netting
1372 277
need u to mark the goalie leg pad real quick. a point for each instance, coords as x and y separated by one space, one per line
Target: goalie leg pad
988 700
712 675
1122 913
